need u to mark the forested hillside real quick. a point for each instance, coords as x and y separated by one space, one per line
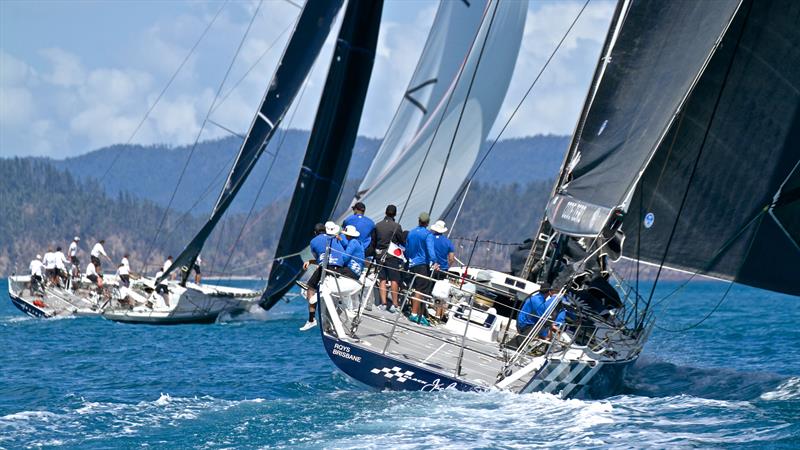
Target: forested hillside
44 203
152 172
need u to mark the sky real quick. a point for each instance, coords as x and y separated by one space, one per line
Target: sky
80 75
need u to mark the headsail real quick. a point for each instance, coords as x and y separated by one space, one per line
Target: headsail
451 35
330 146
722 194
658 52
429 172
310 32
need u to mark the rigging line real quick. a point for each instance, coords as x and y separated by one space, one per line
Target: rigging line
700 151
252 67
724 295
444 112
164 90
524 97
202 127
463 109
269 171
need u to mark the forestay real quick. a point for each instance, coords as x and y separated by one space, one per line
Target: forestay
310 32
659 50
428 173
722 194
330 147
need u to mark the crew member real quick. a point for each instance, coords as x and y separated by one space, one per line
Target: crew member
73 257
420 254
50 266
167 265
445 257
198 263
386 233
61 267
36 274
363 224
354 253
325 247
534 308
96 253
93 276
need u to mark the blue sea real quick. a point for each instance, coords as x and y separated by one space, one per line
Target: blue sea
732 381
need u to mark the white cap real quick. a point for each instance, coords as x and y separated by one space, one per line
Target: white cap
38 256
439 227
331 228
76 238
351 231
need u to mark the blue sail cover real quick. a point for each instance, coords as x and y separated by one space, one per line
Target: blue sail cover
310 32
659 50
330 147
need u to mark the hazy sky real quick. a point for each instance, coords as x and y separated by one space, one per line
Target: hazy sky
79 75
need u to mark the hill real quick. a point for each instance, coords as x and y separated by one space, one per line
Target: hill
152 172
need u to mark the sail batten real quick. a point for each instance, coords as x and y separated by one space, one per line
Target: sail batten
312 28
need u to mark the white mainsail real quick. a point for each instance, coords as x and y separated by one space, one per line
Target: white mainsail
425 173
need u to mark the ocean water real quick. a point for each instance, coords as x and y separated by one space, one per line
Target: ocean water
733 381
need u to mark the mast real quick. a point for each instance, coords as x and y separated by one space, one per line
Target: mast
310 32
330 147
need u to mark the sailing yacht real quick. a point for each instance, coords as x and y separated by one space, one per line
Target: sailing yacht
686 156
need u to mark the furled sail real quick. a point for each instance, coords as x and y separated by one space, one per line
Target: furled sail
310 32
330 147
449 39
659 50
428 173
722 193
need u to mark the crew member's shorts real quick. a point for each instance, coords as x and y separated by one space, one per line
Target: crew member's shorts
75 261
420 283
196 268
51 273
95 260
390 269
92 278
125 280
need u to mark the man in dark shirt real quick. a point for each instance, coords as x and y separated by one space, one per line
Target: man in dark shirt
385 233
362 223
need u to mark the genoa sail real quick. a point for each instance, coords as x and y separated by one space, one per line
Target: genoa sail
310 32
659 50
429 172
449 39
330 147
722 194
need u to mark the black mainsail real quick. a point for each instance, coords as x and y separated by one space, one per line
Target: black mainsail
721 196
659 49
310 32
330 147
700 159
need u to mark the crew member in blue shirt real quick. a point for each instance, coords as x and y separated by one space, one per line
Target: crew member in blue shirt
363 224
420 254
444 250
353 254
534 308
325 236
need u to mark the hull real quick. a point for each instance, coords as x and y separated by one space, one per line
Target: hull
567 379
28 308
470 352
384 372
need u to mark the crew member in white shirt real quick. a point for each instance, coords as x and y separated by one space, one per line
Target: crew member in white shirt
124 281
167 265
73 257
50 270
93 276
97 252
36 274
61 265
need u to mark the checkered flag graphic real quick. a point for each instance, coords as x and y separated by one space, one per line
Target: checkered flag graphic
394 372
